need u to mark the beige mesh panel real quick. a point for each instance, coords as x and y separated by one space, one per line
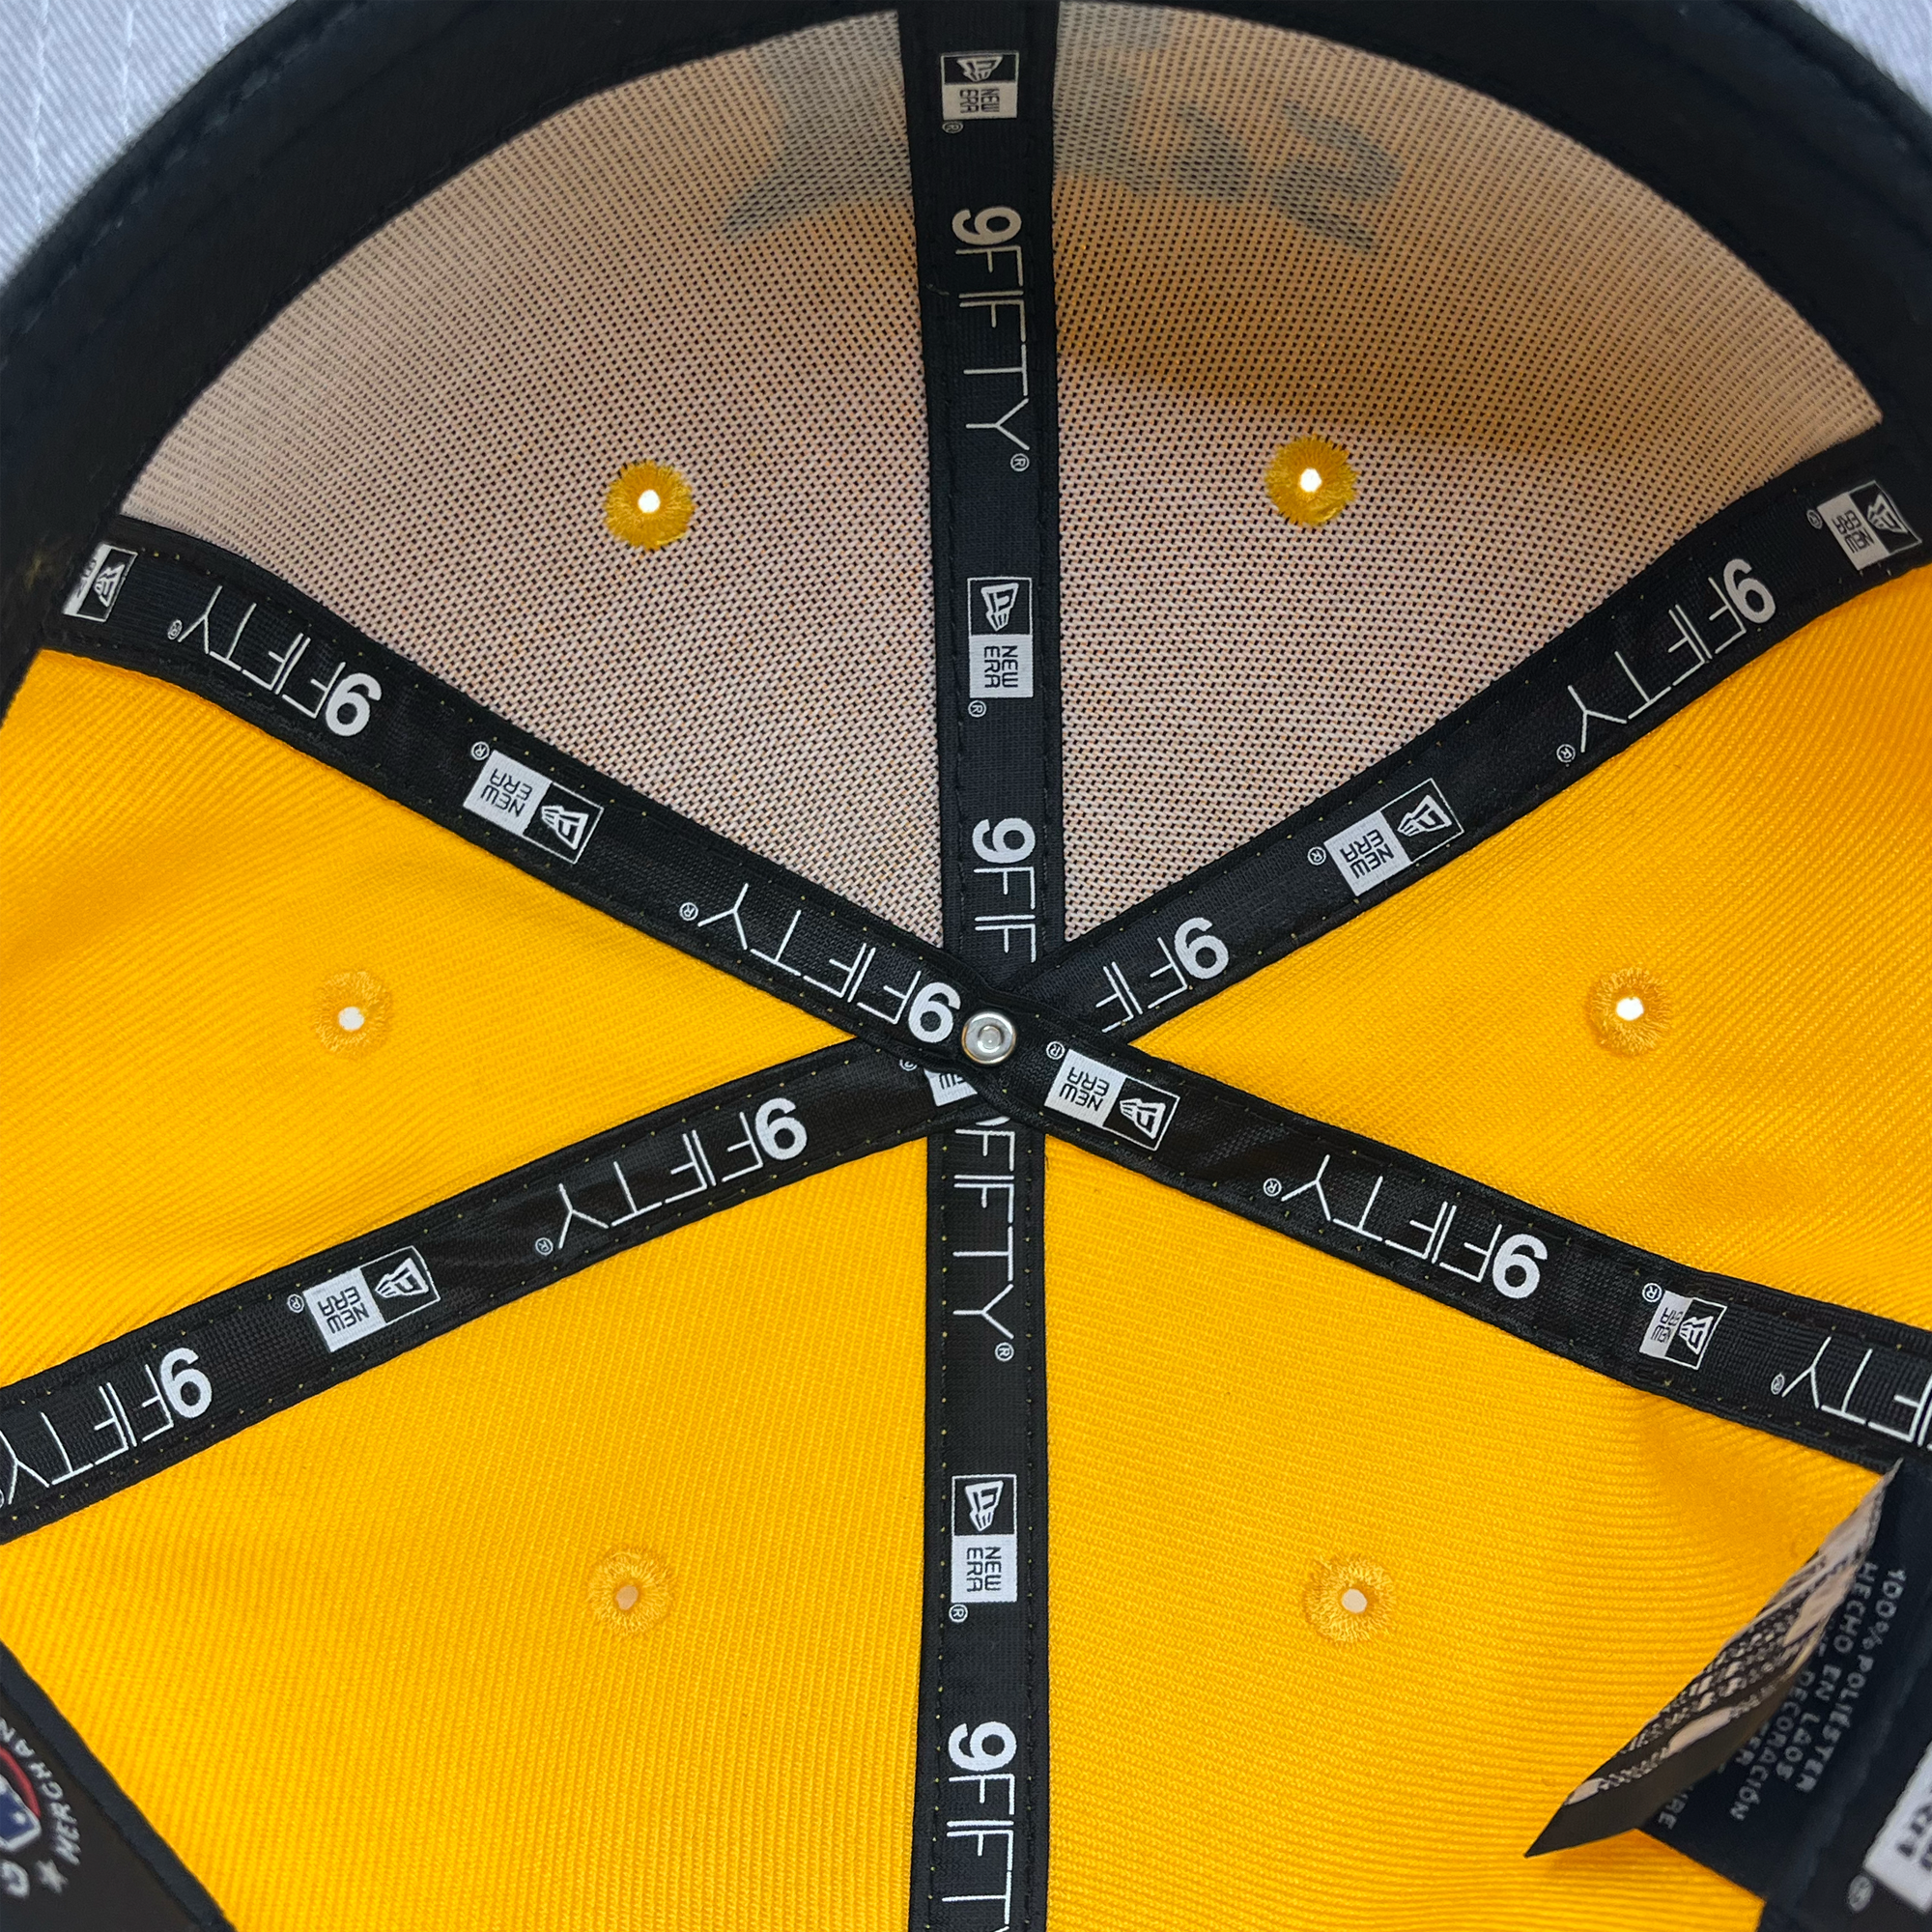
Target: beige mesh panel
710 267
1543 374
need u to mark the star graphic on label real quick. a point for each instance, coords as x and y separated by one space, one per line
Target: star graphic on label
51 1875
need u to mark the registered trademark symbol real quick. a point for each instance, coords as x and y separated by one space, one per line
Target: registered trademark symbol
1020 462
479 750
296 1304
1565 754
688 910
1271 1187
952 126
1056 1049
1003 1352
1317 855
1652 1293
545 1245
1817 523
958 1614
978 707
1777 1384
1858 1893
908 1066
175 629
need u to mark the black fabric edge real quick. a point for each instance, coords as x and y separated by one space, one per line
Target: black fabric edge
116 1807
1781 139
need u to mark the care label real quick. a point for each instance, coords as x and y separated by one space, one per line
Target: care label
1900 1858
1826 1809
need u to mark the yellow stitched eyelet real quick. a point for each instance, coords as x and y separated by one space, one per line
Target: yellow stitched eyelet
1349 1599
630 1589
1311 480
352 1014
648 505
1629 1010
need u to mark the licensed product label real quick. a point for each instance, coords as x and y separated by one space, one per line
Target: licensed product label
75 1856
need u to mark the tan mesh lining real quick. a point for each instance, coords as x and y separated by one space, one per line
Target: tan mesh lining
1543 374
711 267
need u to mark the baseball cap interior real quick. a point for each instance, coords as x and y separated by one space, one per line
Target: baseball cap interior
310 981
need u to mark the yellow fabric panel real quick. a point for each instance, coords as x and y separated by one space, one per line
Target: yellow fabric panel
346 1661
1228 1411
1764 855
175 890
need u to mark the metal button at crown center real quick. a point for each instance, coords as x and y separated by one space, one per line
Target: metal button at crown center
989 1037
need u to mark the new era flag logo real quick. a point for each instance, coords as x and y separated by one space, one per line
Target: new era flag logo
99 584
985 1540
569 825
1430 815
406 1280
1681 1329
1868 524
999 600
999 637
983 1500
537 809
350 1305
1388 841
1089 1090
979 86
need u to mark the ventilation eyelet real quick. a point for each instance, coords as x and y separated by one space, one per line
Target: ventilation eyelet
352 1014
648 506
1311 480
1349 1599
1629 1010
630 1590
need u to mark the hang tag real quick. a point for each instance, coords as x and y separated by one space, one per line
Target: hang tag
75 1853
1827 1808
1727 1702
